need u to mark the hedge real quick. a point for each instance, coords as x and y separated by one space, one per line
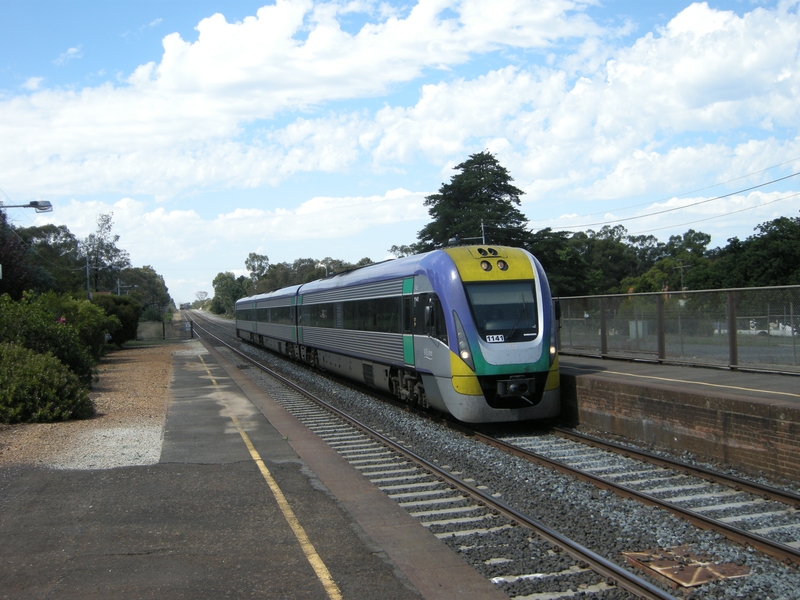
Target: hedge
39 388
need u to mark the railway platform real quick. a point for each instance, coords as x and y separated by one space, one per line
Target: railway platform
244 502
746 420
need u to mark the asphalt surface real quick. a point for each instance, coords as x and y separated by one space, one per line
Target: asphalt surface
206 522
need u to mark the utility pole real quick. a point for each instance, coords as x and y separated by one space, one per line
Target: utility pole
681 268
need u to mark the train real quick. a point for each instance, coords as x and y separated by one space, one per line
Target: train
466 330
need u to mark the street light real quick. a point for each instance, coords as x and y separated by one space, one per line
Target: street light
40 205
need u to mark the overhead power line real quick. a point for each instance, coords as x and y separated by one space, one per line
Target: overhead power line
733 212
667 210
708 187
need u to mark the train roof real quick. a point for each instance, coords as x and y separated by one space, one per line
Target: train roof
382 271
390 269
281 293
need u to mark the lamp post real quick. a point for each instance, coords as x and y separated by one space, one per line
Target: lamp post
40 205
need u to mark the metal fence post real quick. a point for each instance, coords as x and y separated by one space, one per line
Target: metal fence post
733 348
603 328
792 327
660 333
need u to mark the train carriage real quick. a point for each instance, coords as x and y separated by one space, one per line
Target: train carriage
467 330
269 320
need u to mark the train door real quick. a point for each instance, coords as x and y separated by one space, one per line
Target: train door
428 317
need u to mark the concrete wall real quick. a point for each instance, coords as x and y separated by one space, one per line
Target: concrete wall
752 435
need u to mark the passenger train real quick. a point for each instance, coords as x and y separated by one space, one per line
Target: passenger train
467 330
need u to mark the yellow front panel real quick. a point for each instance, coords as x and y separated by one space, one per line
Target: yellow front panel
553 378
468 261
464 380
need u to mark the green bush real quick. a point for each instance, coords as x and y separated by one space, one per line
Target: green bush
127 312
38 388
31 325
90 321
151 314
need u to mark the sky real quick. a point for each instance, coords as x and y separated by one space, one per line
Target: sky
308 129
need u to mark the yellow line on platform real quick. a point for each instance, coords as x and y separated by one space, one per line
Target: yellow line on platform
313 558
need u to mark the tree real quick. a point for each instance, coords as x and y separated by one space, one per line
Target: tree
480 199
54 257
257 266
771 257
126 310
17 272
227 290
146 287
608 257
404 250
105 260
567 271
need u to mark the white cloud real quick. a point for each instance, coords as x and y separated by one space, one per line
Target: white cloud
32 83
291 91
292 55
70 54
173 241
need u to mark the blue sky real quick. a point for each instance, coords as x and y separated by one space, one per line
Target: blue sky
295 129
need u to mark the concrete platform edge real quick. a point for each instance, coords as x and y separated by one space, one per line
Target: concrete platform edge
431 567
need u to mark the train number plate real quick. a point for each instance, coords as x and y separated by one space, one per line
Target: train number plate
495 338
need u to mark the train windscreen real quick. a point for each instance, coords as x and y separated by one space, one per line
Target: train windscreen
504 311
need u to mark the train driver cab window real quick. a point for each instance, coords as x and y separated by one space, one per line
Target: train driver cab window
504 311
429 317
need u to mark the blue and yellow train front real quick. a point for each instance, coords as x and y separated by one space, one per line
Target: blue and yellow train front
503 364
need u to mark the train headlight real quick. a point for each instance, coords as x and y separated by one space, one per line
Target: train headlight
502 265
463 345
486 265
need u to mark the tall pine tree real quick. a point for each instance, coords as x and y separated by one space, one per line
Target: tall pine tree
479 200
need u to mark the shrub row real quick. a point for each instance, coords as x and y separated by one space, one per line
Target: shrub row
50 348
39 388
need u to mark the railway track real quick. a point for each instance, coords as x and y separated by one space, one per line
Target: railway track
455 509
756 515
750 514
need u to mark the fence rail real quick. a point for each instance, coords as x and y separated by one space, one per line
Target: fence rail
156 330
754 328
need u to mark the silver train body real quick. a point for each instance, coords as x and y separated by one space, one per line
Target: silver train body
468 330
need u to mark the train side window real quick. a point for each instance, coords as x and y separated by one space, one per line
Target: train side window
282 315
429 317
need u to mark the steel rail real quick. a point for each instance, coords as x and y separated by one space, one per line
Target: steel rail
770 547
624 578
765 491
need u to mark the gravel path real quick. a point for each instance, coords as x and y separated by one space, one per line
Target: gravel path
131 402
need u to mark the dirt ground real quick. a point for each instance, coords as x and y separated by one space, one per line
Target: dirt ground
133 392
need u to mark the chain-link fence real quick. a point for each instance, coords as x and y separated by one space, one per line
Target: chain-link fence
747 327
156 330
